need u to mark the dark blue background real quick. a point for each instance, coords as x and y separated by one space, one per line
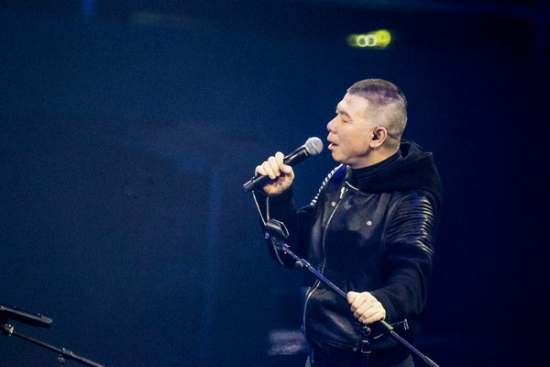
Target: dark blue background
128 129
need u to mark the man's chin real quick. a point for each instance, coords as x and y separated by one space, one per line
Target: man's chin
336 158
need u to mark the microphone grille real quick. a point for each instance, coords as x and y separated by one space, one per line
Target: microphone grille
313 146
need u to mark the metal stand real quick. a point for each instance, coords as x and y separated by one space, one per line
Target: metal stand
10 312
277 232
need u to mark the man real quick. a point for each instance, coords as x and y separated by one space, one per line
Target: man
370 229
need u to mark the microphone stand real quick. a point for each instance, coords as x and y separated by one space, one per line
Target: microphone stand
278 233
7 312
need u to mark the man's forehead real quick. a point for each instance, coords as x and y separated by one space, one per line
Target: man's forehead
352 103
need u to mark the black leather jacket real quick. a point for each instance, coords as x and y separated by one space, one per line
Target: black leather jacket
374 236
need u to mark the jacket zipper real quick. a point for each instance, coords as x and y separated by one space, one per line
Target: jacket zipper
317 282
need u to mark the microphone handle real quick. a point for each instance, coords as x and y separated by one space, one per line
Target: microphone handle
256 181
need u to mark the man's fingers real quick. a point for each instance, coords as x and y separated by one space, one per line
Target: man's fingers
363 309
281 174
356 300
376 316
272 168
351 297
280 157
286 169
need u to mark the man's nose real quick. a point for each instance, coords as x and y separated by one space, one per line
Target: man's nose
330 125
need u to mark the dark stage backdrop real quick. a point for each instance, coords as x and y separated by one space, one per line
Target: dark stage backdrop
126 137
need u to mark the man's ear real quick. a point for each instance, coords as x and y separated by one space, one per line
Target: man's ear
379 136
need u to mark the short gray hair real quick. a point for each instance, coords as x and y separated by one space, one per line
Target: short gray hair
388 105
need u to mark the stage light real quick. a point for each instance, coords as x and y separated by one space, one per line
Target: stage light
374 39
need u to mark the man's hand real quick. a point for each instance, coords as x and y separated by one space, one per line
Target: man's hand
277 170
365 307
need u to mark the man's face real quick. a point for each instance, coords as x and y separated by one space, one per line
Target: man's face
350 132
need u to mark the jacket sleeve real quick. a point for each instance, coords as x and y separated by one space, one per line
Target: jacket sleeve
297 221
409 244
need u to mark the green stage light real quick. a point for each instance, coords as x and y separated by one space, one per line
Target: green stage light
374 39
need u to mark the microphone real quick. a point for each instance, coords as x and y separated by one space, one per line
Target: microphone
312 146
